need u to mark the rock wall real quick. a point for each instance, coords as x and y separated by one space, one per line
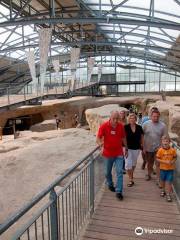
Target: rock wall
170 114
46 125
96 116
66 109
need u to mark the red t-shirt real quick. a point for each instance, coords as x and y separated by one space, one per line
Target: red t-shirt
112 139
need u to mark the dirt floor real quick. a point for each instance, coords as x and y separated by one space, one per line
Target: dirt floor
31 162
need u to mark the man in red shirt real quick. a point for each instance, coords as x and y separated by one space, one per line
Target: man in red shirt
110 137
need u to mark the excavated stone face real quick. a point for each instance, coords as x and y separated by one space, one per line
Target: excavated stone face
46 125
67 109
170 114
175 124
96 116
169 110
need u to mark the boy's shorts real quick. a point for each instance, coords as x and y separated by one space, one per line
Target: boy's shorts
167 175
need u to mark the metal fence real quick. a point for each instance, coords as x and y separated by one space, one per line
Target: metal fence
11 95
177 172
63 216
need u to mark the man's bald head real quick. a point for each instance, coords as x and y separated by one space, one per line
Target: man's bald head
114 118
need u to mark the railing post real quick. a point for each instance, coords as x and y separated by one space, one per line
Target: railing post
24 93
54 215
8 96
92 189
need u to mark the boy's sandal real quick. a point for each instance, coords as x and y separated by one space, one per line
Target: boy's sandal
168 198
130 184
162 194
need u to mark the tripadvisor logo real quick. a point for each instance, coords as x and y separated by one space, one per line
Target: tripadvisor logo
139 231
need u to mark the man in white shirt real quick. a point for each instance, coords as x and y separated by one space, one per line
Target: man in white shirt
153 131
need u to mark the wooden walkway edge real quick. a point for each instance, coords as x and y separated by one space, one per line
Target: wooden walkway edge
142 207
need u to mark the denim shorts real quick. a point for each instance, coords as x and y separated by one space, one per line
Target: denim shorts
166 175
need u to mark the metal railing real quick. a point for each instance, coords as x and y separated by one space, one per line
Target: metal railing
176 182
64 213
9 95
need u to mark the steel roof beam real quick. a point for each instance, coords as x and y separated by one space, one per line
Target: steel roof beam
115 7
22 9
98 28
96 13
149 65
177 1
142 30
131 32
137 8
167 35
83 43
27 21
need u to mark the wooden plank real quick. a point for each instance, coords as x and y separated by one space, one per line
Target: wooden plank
129 233
130 226
126 215
146 223
142 206
106 236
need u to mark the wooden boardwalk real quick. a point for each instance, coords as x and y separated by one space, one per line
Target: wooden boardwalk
142 207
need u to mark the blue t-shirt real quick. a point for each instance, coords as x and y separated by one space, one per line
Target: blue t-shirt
145 119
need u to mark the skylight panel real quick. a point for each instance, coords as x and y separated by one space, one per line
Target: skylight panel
4 10
133 38
164 37
13 37
4 36
127 26
162 44
17 41
91 1
172 33
19 30
157 52
15 55
28 30
53 53
171 6
167 17
127 9
105 8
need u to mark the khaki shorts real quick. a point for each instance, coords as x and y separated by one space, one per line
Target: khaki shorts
151 157
131 160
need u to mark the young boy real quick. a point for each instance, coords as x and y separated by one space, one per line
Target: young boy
166 156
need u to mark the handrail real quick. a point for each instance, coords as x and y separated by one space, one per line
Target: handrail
175 144
13 218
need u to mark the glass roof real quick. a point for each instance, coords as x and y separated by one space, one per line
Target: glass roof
154 40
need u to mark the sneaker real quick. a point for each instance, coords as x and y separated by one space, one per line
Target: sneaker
130 184
111 188
119 196
148 178
163 193
168 198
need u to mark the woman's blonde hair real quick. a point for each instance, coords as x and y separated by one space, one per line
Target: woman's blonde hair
132 115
